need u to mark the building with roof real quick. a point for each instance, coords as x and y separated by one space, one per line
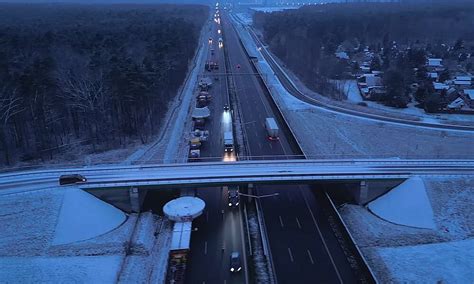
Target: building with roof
468 96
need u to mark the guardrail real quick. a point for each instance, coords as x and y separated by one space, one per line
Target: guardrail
366 272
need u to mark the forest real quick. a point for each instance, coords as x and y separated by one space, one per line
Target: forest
306 39
93 77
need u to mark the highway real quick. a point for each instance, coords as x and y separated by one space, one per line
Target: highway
287 244
218 232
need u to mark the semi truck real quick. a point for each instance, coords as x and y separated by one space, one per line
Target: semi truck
228 142
272 128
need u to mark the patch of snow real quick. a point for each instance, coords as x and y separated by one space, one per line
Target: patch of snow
449 262
388 247
79 269
84 216
275 9
149 253
27 221
350 89
407 204
244 18
184 208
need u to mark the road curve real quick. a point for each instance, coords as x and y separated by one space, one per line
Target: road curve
294 91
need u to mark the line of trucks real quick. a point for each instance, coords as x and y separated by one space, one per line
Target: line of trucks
200 114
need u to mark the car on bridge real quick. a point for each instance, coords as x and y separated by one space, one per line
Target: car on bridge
71 179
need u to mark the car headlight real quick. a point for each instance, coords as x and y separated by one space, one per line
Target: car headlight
232 269
239 268
237 204
230 204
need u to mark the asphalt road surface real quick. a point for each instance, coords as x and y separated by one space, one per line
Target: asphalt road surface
303 247
218 232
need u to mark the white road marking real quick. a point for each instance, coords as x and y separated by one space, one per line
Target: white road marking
291 255
298 223
281 221
310 257
322 238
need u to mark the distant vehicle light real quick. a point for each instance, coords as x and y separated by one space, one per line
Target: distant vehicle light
230 204
232 269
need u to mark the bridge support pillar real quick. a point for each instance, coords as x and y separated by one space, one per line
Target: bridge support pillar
136 198
371 189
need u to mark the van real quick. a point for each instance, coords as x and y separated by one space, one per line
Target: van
71 179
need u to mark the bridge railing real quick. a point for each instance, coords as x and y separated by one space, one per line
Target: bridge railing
274 158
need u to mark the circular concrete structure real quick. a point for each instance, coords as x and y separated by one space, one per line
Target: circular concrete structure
184 209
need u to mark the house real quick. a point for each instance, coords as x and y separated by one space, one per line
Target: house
468 96
457 104
433 75
462 81
370 80
463 78
342 55
434 62
376 93
440 86
365 68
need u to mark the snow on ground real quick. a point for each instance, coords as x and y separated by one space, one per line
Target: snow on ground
84 216
27 222
450 262
43 269
421 114
397 252
350 89
275 9
149 253
244 18
407 204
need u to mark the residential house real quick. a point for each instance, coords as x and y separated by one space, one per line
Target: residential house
434 62
342 55
468 96
440 86
457 104
463 82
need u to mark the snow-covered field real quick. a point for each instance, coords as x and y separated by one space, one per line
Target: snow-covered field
65 235
45 269
405 254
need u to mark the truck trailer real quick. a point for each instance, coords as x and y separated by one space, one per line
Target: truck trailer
272 128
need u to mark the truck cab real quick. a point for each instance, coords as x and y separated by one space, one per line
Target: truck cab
228 142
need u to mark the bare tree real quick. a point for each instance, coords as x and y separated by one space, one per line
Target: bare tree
10 105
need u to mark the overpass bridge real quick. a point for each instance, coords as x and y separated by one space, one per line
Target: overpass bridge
281 171
127 185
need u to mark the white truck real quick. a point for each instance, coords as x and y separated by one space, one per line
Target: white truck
228 142
272 128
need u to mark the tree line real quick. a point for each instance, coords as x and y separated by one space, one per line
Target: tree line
91 76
